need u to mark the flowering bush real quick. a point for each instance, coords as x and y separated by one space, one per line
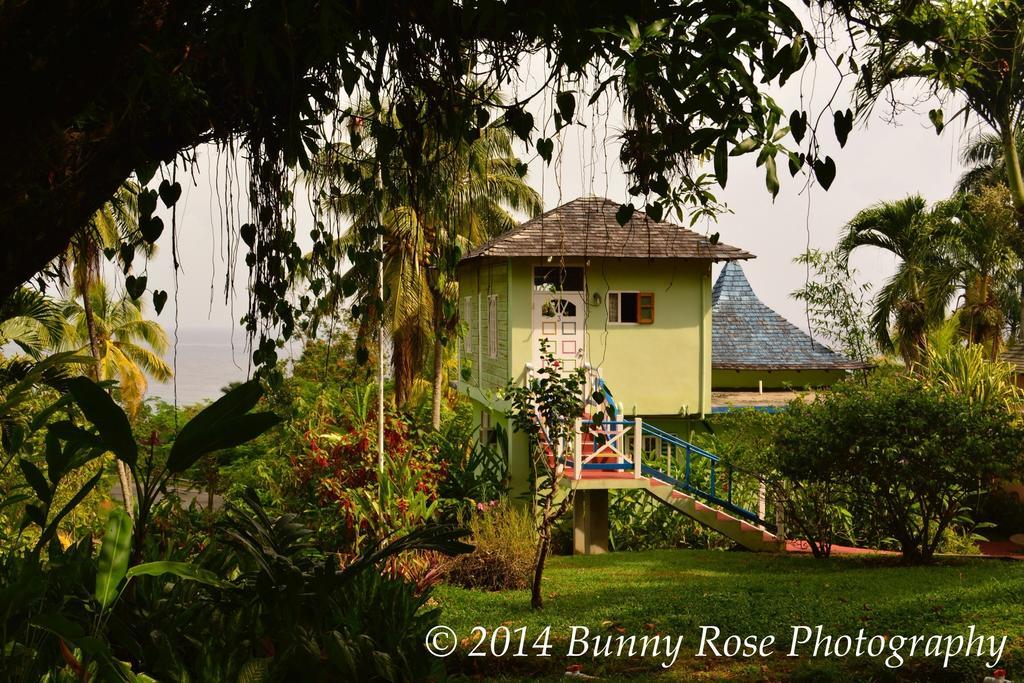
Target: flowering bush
337 478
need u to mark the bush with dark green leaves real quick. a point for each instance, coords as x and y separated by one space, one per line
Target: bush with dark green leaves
249 599
898 456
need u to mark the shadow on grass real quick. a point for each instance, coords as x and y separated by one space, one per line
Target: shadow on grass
676 592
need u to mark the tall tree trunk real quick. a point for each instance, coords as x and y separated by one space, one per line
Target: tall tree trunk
124 476
404 363
1015 182
438 390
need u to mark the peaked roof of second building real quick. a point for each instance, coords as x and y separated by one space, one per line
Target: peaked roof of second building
747 335
588 227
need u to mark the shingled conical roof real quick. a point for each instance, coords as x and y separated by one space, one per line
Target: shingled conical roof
747 335
588 227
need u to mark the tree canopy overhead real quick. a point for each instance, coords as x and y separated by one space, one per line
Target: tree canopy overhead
114 87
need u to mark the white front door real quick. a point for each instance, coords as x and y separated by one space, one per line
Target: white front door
560 318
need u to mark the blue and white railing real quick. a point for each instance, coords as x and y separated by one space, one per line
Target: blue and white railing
618 447
717 487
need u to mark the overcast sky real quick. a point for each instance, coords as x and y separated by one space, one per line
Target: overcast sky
882 161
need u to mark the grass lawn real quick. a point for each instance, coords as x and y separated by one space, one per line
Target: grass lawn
675 592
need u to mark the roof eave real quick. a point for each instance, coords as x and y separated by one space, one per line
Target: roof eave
768 367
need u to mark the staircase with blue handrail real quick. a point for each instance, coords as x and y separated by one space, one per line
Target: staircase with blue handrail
608 453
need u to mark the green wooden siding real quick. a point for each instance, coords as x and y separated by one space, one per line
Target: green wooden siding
488 363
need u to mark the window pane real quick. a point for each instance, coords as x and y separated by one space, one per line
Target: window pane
629 307
568 279
613 307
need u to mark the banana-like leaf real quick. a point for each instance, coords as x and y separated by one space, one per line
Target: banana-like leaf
107 416
180 569
114 554
225 423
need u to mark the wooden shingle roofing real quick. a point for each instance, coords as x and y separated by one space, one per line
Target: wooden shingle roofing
747 335
1013 354
587 227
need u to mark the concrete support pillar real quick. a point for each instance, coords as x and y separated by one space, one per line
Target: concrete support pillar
590 522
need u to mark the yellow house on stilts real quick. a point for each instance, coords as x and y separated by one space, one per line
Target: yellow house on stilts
632 305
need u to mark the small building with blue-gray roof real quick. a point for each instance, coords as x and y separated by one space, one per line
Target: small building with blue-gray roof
753 347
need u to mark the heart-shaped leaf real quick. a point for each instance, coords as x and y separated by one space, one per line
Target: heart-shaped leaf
159 300
825 172
135 286
798 125
248 233
566 102
169 192
936 117
624 213
151 228
796 162
145 171
842 122
654 212
127 253
147 203
545 146
520 121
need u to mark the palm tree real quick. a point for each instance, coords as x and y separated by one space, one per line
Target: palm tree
31 321
115 223
112 226
984 158
126 346
461 194
982 261
913 299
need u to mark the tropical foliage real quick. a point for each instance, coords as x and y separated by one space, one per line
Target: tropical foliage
909 303
896 457
31 321
836 304
961 252
464 193
128 347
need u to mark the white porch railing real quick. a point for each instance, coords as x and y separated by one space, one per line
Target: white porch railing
615 439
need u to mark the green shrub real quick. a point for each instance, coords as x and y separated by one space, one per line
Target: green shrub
506 541
899 455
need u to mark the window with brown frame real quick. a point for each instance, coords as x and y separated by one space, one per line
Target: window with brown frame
636 308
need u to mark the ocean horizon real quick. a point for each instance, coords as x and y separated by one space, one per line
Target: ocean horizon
206 359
